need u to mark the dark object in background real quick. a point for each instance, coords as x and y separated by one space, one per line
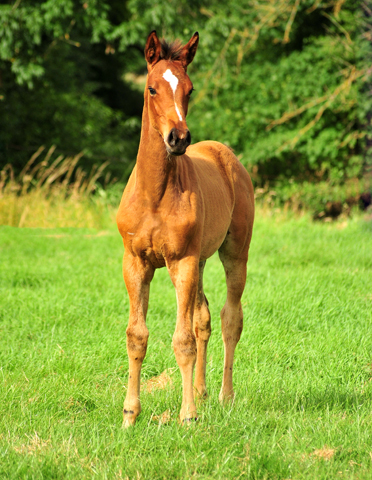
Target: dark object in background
365 200
333 210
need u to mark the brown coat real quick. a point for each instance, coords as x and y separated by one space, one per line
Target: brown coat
182 203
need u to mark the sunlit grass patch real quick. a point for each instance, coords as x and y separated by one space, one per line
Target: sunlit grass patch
302 373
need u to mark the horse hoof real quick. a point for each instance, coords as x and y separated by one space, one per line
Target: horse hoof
189 421
201 394
204 395
226 399
199 399
129 418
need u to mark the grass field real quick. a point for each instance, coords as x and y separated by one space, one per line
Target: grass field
302 375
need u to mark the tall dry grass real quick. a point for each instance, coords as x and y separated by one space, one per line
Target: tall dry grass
53 192
57 192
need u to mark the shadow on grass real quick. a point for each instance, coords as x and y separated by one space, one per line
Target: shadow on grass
328 399
332 398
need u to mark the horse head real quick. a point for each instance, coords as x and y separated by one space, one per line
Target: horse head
168 89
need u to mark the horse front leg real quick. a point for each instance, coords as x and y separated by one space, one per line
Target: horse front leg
184 275
137 276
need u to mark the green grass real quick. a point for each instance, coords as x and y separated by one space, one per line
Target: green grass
302 375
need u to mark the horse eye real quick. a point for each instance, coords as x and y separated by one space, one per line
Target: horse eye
152 91
190 92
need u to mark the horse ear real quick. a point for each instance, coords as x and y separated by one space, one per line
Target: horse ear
189 50
152 49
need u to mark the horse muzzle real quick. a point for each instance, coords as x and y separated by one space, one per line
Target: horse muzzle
177 142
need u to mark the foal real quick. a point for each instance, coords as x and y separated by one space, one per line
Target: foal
181 204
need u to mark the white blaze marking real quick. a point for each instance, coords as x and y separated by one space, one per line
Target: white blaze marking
172 79
178 112
173 82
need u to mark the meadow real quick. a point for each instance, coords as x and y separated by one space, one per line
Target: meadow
302 376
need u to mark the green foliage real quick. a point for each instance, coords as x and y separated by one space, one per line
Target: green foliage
324 200
303 62
26 25
302 370
59 87
284 83
273 79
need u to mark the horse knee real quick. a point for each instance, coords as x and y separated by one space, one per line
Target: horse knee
137 341
184 345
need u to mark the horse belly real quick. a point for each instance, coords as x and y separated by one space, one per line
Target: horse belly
217 219
217 194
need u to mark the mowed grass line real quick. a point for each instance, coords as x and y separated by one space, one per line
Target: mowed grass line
302 374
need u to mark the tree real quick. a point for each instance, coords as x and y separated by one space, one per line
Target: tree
61 82
283 82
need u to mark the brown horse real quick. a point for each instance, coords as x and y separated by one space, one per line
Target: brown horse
181 204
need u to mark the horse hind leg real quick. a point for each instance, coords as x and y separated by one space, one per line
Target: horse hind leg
231 318
202 331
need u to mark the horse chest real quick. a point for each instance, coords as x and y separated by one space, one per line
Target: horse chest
157 236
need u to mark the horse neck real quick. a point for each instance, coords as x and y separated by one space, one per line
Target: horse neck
156 170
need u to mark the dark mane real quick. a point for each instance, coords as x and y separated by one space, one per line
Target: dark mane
170 51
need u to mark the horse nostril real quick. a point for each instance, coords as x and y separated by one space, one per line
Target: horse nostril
178 141
188 138
173 138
